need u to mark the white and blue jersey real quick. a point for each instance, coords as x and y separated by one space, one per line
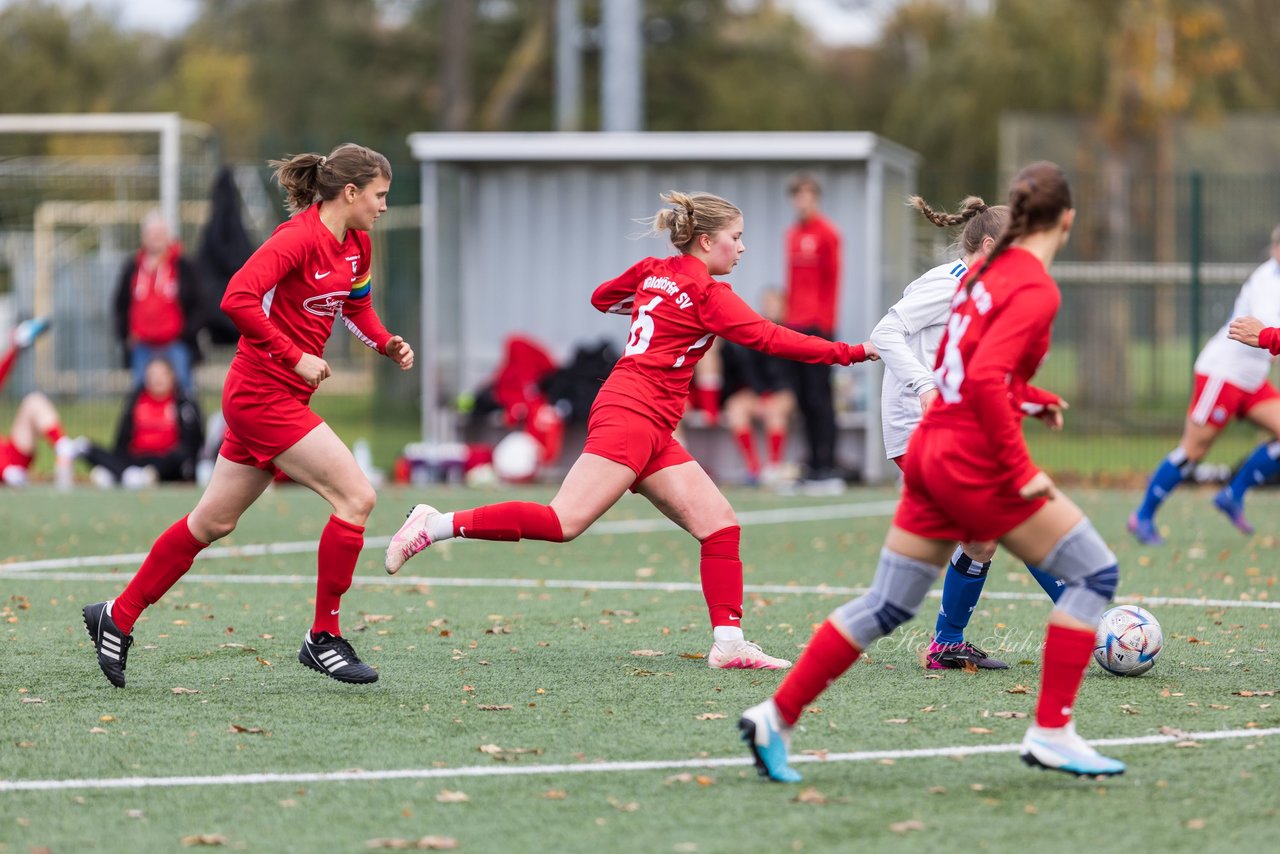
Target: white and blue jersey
907 338
1243 366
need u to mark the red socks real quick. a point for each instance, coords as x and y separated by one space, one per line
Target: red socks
509 521
53 434
777 441
340 545
721 570
6 363
1066 655
747 442
828 655
168 560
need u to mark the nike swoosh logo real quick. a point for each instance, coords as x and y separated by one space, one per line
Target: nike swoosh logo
731 617
333 613
320 276
462 532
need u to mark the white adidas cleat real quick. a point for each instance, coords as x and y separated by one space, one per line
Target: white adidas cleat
1061 749
413 537
743 655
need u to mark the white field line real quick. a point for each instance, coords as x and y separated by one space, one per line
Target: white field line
588 584
622 526
508 770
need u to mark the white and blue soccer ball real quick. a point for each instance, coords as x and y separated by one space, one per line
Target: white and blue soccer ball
1129 639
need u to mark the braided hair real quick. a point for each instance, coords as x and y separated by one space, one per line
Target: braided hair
1037 197
980 220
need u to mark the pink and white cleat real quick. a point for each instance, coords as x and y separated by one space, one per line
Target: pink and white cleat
413 537
743 655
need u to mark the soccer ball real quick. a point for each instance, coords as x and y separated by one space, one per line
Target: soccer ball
1129 639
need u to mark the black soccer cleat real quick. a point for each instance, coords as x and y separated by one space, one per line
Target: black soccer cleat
957 656
333 656
111 644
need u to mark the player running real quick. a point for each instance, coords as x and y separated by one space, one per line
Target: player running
676 309
969 477
314 269
1230 382
907 338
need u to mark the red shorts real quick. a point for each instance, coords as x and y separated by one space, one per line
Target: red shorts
1216 401
952 489
11 456
263 420
627 437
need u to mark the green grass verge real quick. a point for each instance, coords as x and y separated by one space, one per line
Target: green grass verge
562 660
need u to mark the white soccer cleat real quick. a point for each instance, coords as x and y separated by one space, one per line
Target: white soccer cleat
743 655
413 537
1060 749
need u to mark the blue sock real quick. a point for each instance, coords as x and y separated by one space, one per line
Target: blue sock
1168 474
1260 466
1050 583
960 591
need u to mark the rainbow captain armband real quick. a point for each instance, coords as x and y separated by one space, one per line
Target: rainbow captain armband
360 289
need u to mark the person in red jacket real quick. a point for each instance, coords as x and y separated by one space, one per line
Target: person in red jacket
158 438
676 308
314 269
968 477
812 298
159 305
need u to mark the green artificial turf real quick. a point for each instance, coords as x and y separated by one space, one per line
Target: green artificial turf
564 659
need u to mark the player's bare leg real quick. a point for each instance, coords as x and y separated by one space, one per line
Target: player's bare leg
687 496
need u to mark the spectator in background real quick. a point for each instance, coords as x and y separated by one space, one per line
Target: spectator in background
757 386
158 438
36 417
158 305
812 294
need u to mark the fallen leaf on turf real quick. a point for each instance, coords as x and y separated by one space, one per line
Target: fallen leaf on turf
704 780
1187 743
32 700
1018 689
819 752
1010 714
1195 824
937 790
685 777
1218 706
98 731
554 794
205 839
498 630
107 719
378 618
184 691
263 661
449 796
629 806
248 730
651 653
24 744
810 795
908 825
491 708
709 716
696 656
617 612
979 730
898 720
425 843
1254 693
1174 731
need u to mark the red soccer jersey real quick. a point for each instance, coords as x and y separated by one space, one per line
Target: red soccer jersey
996 337
813 274
676 311
286 296
155 426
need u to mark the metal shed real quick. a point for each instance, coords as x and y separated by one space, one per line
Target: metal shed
518 229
